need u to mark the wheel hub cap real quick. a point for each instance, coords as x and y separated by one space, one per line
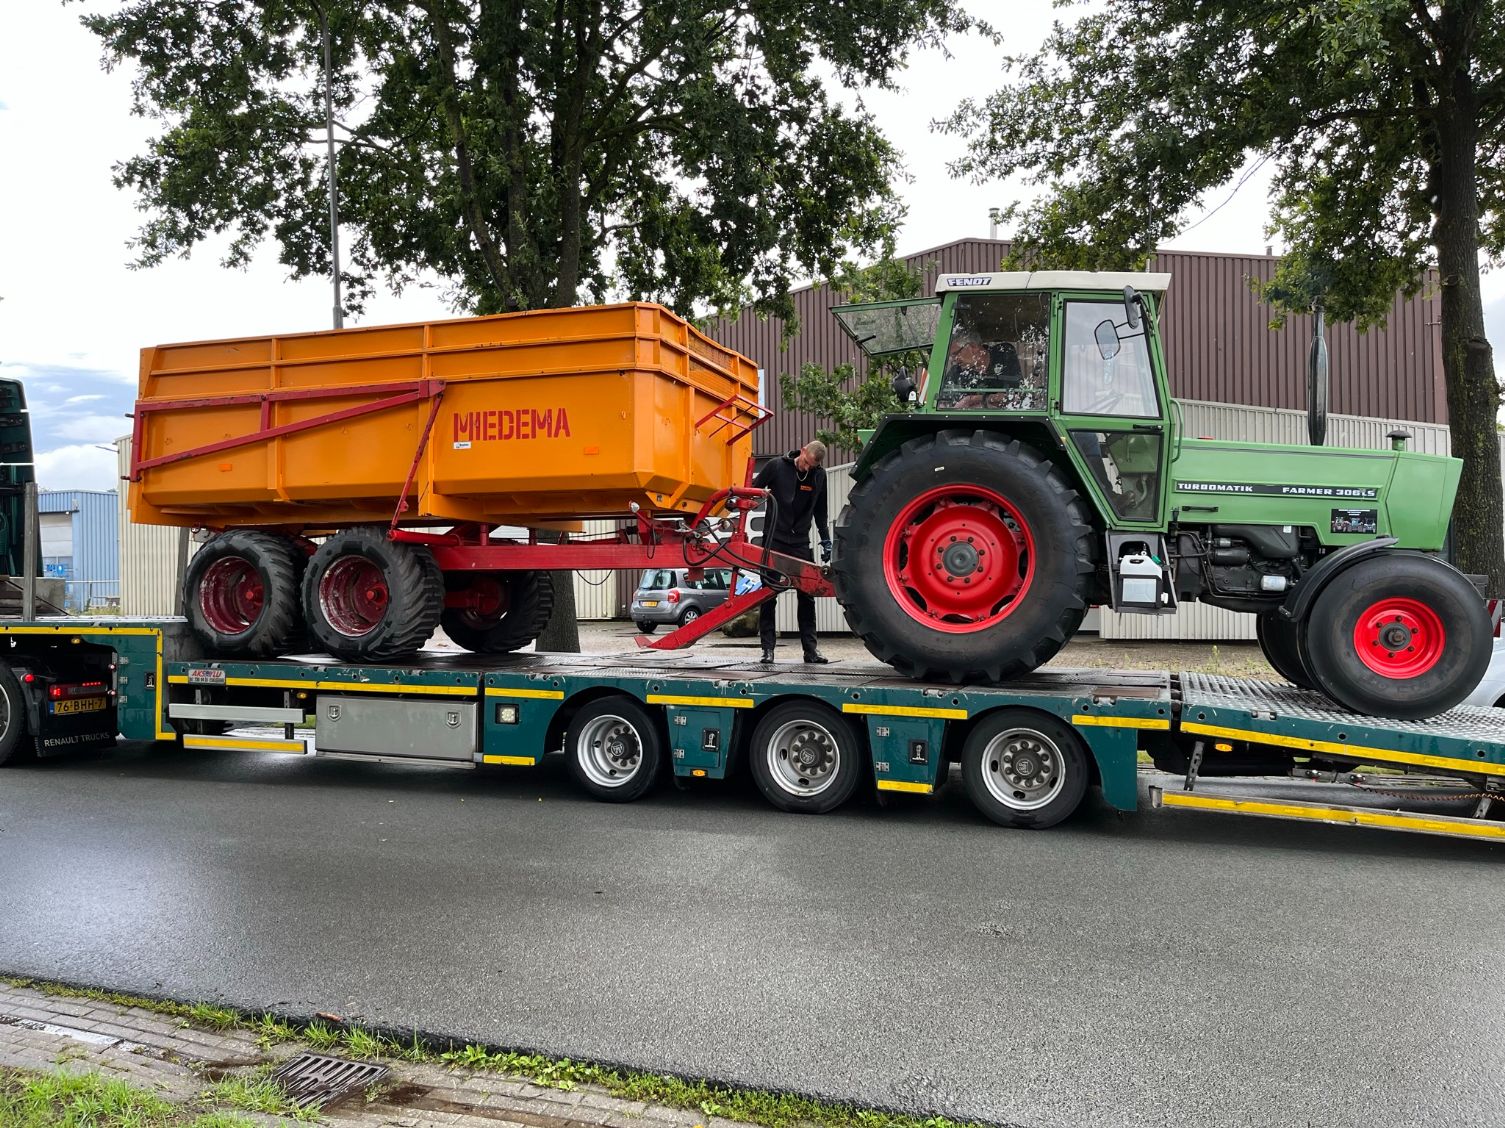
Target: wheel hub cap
1023 769
804 758
353 596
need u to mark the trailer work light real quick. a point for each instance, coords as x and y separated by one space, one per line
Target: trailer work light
506 714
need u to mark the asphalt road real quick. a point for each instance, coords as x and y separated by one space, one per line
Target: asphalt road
1164 968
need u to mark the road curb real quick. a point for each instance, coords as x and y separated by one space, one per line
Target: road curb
177 1061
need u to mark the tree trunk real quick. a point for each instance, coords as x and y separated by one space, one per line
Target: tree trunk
1473 393
561 634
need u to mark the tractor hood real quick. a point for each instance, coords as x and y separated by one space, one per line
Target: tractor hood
1347 495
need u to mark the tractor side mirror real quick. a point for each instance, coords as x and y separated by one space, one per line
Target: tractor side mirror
1107 339
1131 307
904 386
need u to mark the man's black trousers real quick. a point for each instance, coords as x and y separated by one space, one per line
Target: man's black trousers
767 632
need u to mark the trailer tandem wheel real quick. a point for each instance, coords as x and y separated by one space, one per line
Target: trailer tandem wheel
505 611
805 757
240 593
368 598
615 748
1023 768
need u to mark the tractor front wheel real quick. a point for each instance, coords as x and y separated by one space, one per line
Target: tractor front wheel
1397 635
1278 639
501 611
964 557
368 598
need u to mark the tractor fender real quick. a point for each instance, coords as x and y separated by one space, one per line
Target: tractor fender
1299 602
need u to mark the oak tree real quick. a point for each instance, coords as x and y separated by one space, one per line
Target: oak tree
1384 121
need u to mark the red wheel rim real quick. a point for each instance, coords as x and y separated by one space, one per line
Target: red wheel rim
959 558
1399 637
353 596
232 595
483 603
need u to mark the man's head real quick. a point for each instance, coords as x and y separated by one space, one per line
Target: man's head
812 454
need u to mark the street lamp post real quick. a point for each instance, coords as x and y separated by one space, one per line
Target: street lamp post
334 195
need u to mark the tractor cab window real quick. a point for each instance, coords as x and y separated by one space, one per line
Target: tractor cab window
996 357
1106 365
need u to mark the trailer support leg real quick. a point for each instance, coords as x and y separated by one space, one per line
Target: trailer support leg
1194 765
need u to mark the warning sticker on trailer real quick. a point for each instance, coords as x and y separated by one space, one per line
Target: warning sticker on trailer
1356 521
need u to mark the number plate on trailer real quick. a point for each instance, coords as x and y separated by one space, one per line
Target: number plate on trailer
77 705
650 603
206 676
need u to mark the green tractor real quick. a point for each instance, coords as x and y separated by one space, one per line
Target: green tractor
1039 467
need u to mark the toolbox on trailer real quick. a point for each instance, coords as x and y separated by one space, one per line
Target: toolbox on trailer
513 419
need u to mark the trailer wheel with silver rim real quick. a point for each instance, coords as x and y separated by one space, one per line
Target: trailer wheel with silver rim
16 743
615 748
806 757
1025 769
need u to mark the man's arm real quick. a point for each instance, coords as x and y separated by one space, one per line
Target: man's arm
821 523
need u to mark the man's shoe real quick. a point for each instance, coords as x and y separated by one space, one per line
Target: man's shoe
767 656
817 659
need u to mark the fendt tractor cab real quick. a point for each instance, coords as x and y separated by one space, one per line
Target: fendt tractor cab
1038 467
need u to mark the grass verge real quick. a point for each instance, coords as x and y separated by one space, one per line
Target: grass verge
60 1100
750 1106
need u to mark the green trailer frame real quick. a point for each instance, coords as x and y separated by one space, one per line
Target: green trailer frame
911 732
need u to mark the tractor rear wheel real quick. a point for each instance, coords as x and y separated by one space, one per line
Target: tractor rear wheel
368 598
1278 640
964 557
240 594
1397 635
505 612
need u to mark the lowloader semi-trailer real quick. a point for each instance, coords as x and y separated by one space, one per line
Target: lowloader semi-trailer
1028 752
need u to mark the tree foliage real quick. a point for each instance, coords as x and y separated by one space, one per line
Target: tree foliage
1385 123
842 399
528 152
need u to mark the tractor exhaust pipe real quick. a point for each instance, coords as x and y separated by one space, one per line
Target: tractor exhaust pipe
1317 380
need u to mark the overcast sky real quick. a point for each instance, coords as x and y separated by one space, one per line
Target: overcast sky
73 317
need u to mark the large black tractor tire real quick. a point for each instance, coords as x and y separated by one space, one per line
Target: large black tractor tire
526 600
964 557
1397 634
368 598
1279 640
17 744
241 594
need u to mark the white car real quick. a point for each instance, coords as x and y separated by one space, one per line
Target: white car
1491 688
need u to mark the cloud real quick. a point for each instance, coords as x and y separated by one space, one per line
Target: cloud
74 399
80 467
93 428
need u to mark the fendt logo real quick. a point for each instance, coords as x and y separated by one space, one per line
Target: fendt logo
503 423
958 281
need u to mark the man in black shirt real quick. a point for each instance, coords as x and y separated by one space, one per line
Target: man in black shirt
797 482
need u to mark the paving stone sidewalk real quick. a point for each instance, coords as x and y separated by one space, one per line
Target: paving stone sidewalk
177 1062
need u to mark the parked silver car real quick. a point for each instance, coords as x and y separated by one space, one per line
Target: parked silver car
668 595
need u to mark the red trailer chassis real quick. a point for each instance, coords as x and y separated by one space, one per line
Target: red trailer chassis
710 538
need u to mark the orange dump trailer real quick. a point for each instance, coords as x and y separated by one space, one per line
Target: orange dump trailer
401 449
519 419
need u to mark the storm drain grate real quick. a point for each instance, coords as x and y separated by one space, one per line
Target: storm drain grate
311 1080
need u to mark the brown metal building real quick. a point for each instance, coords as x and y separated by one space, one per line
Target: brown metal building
1218 343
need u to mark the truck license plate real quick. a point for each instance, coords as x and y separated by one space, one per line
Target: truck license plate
78 705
